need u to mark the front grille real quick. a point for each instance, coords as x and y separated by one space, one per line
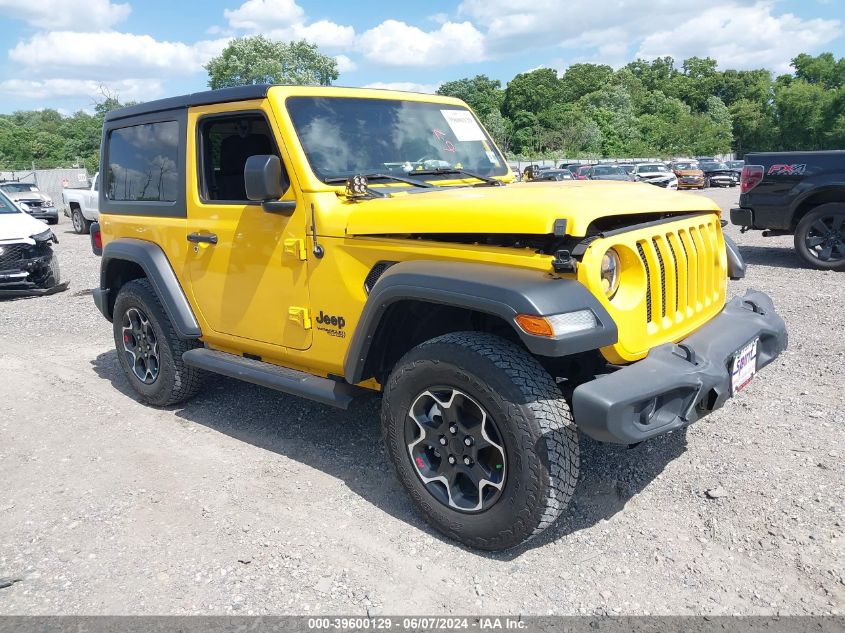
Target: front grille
11 255
33 203
683 275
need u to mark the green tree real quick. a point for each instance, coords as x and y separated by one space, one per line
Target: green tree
532 92
259 60
482 94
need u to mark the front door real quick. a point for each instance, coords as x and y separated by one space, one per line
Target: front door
247 267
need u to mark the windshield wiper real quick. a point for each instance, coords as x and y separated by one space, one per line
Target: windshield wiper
380 176
451 170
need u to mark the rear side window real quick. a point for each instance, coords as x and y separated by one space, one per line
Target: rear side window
143 162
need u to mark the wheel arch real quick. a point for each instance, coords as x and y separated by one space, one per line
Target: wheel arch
418 300
814 198
126 259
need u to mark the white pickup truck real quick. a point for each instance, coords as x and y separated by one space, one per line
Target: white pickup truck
82 206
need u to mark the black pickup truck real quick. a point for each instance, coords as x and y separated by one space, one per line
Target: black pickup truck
800 194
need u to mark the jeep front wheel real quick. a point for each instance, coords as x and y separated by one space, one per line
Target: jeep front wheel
481 438
148 349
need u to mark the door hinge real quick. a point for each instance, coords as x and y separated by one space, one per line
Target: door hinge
300 316
296 248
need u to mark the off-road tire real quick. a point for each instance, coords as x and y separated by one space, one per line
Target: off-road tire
176 381
534 420
835 209
80 224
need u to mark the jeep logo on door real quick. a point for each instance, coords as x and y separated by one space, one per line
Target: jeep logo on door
331 325
787 170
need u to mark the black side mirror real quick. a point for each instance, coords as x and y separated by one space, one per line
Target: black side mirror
265 182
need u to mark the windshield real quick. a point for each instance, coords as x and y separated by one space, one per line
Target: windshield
641 169
685 166
736 163
713 166
7 206
17 187
608 171
345 136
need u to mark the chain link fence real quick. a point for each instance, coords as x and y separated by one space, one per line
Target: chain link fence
50 181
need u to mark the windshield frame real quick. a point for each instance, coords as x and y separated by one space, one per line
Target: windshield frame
502 171
6 201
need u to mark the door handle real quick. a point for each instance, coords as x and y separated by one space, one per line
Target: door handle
196 238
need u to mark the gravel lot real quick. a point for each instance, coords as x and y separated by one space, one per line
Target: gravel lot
248 501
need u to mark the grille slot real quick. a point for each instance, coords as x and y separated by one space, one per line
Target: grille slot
647 282
662 277
675 262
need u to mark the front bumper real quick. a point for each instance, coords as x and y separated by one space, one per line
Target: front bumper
677 384
51 213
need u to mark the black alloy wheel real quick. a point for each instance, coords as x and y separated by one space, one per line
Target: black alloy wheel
820 237
140 345
456 449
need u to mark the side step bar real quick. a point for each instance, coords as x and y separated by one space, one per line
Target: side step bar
298 383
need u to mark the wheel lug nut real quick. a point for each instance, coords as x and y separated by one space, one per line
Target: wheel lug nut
453 429
468 441
452 459
442 440
468 461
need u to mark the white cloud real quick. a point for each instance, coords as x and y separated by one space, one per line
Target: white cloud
737 33
126 89
264 15
396 43
746 37
323 33
344 64
59 14
110 55
407 86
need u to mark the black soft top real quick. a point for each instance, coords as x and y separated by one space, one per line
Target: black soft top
207 97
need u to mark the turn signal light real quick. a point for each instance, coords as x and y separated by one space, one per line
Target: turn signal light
536 325
557 324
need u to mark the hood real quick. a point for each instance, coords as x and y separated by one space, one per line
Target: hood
611 177
27 195
689 172
656 174
16 227
521 208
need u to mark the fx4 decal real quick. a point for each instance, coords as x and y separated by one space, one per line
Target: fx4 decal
787 170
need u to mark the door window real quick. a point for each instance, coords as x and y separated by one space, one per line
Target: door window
142 162
225 143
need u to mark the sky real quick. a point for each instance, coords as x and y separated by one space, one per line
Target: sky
58 53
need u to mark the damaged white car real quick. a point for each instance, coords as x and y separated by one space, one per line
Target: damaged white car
656 174
28 265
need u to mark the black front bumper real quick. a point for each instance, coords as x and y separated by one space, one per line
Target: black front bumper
677 384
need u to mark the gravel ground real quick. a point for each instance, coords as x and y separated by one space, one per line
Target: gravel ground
247 501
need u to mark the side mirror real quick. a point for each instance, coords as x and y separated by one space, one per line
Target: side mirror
264 182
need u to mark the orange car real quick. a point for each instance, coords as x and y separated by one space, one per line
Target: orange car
689 175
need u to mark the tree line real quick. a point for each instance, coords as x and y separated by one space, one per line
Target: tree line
657 108
646 108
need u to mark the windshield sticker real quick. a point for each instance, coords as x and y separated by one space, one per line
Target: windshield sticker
441 136
491 156
464 126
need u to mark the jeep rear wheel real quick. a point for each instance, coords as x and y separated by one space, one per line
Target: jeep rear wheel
481 438
820 237
148 349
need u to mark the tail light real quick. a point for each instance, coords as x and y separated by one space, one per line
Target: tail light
751 177
96 239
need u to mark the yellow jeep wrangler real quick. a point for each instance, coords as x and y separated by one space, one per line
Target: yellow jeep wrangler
327 241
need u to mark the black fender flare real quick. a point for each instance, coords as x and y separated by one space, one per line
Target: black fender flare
736 263
158 270
492 289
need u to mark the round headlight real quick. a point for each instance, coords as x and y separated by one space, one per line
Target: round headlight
610 268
